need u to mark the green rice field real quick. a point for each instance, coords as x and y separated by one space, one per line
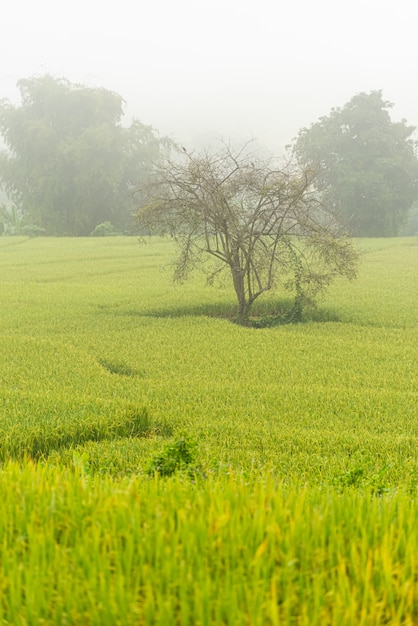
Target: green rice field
297 502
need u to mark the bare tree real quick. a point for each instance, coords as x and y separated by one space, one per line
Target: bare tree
261 221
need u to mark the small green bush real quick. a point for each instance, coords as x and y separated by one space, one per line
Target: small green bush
176 456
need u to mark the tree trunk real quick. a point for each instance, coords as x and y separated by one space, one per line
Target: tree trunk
243 304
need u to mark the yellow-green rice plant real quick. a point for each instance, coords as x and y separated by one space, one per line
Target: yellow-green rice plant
220 551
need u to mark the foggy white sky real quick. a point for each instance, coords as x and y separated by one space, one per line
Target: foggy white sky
236 68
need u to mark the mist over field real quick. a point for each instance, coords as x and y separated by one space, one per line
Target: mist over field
195 71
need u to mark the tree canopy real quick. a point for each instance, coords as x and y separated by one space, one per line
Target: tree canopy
261 222
367 164
70 164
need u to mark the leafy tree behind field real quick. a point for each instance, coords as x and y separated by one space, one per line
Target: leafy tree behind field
368 167
70 164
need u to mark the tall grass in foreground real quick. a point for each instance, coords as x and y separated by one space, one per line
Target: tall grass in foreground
80 550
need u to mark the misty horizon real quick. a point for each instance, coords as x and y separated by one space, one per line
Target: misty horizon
194 72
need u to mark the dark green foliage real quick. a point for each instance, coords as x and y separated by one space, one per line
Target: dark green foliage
178 455
365 478
368 167
70 164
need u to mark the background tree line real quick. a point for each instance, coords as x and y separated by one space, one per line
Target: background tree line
69 165
367 165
